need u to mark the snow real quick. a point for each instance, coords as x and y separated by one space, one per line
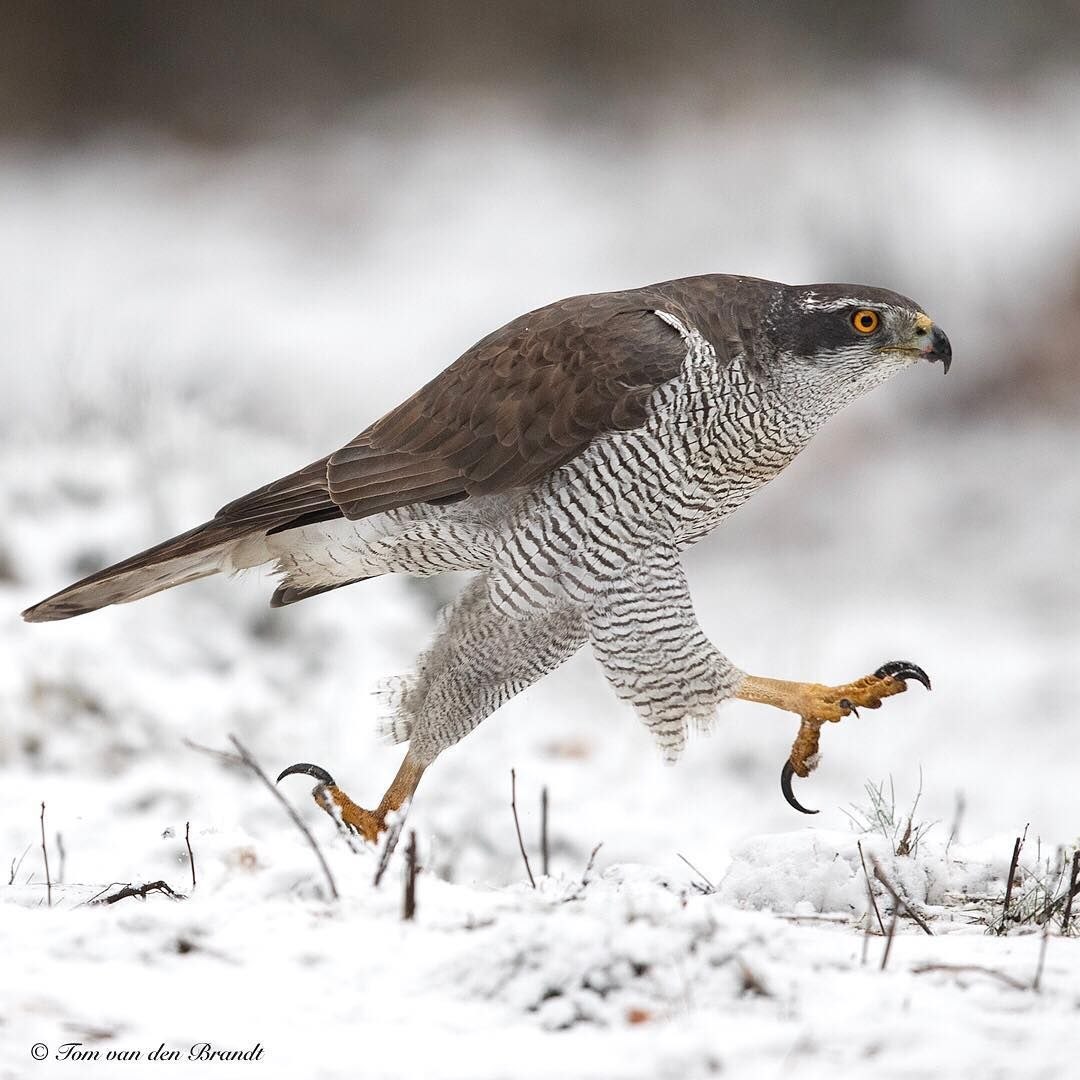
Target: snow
821 871
182 326
631 974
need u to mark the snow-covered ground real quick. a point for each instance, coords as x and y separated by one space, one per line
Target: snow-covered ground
180 328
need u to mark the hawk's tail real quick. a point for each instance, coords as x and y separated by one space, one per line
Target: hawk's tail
234 539
204 550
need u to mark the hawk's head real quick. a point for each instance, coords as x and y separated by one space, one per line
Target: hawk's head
855 332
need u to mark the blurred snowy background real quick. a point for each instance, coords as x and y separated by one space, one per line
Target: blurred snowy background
233 235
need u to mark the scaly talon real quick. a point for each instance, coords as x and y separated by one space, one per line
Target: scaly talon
817 704
349 815
802 760
786 773
307 769
901 670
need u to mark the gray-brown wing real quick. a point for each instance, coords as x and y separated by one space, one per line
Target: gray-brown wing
521 402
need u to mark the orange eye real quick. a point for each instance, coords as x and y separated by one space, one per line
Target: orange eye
865 321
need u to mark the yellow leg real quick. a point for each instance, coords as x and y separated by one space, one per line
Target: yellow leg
368 823
816 705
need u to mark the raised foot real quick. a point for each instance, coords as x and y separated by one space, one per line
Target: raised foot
352 818
839 701
816 705
348 816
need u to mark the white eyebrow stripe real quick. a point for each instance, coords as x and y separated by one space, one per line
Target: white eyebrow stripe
811 303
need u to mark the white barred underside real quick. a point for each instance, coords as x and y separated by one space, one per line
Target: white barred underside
590 554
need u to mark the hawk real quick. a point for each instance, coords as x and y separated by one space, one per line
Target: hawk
569 457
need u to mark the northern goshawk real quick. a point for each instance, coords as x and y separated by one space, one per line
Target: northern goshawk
568 457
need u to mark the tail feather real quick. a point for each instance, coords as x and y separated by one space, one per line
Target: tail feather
286 593
234 539
371 482
195 554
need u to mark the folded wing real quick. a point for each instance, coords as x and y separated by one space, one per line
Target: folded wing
521 402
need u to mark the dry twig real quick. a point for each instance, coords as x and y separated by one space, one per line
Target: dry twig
394 828
408 910
976 969
712 887
898 900
191 858
140 891
222 755
589 864
815 917
517 826
1066 898
869 887
889 936
866 933
253 765
45 856
1073 886
393 833
1012 876
15 864
544 831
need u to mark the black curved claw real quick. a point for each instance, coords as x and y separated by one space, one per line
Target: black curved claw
786 773
306 769
903 669
845 703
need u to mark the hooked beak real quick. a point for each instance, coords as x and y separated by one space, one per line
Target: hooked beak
931 342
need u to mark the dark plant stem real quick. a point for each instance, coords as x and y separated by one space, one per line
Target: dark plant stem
45 856
544 831
1072 891
898 900
191 857
589 864
870 888
140 891
712 887
517 827
408 909
889 936
1009 884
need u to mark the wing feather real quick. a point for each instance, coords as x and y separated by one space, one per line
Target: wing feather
523 401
